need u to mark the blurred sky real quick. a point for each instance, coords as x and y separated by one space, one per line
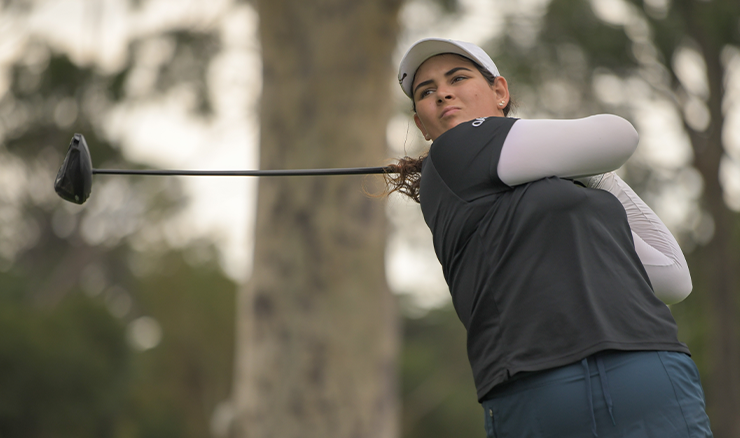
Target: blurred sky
162 132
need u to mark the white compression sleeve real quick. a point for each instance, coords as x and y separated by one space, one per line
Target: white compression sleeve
536 149
655 245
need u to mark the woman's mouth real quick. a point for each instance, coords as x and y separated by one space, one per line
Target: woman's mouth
449 111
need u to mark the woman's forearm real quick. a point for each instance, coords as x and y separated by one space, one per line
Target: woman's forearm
655 245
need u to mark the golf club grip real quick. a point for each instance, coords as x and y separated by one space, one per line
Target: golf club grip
286 172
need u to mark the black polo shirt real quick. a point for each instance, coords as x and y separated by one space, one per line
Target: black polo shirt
542 274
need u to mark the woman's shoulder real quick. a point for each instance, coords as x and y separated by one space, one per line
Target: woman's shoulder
479 125
473 134
465 156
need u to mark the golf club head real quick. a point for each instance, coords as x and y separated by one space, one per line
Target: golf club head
74 180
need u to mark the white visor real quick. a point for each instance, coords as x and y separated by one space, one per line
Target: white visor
428 47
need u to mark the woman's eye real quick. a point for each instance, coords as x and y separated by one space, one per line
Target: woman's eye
425 93
458 78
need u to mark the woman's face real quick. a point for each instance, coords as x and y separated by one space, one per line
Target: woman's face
448 90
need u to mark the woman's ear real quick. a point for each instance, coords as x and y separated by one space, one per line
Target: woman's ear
501 88
421 127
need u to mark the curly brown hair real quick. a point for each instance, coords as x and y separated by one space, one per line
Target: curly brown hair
405 177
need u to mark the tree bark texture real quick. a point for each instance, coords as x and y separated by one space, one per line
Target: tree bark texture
317 328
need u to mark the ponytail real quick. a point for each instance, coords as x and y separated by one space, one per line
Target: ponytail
406 177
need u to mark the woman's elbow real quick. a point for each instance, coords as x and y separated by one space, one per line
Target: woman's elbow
674 289
620 133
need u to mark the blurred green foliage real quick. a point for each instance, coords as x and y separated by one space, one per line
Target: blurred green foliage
437 389
63 371
74 280
68 370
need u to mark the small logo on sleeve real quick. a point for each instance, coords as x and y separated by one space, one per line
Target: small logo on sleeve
479 121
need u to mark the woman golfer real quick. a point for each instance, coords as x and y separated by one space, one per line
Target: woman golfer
558 271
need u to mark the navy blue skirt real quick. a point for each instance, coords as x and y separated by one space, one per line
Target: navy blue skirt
629 394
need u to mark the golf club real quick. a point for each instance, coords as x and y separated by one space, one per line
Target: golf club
74 179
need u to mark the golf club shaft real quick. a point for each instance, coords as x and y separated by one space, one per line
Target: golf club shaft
286 172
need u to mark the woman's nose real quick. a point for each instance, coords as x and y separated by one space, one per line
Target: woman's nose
443 95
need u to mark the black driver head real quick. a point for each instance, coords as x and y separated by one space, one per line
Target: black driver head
74 180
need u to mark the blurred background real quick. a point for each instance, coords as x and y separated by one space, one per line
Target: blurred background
119 318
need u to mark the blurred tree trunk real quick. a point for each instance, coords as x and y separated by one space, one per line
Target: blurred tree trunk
718 258
317 328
